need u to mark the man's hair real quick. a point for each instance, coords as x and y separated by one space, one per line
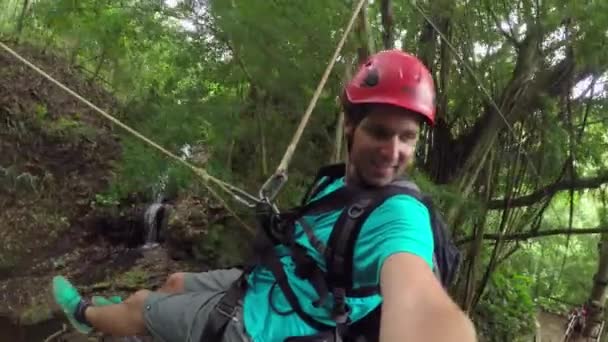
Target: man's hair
353 115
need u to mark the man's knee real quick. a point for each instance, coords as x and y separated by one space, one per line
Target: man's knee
137 299
174 283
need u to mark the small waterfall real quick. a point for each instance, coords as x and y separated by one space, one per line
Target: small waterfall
154 215
152 220
158 190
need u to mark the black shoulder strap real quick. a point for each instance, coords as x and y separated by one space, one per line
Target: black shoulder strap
329 174
342 240
335 200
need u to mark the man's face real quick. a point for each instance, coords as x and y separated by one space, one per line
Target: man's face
383 145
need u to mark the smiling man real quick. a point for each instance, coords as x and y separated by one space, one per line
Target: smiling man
354 253
384 147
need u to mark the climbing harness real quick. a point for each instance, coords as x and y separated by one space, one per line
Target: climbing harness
337 279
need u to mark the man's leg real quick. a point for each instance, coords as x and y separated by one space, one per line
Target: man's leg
174 283
181 317
164 314
189 282
124 319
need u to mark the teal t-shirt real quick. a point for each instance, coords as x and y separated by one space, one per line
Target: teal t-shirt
400 224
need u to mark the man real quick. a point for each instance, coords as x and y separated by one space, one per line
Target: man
385 104
577 317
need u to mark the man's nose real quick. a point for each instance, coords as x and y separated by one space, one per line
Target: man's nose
390 149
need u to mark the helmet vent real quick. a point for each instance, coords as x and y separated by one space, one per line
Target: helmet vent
371 79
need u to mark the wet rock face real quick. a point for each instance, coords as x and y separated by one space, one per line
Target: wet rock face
190 228
200 228
189 223
131 227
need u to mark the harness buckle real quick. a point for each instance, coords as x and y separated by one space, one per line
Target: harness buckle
225 309
341 310
357 209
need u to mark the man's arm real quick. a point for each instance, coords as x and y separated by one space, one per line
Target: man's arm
415 307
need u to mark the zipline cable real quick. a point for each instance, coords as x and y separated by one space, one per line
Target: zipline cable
272 186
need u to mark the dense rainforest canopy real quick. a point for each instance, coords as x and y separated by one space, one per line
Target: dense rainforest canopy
517 162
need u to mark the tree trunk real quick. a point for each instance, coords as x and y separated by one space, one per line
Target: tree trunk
388 39
102 59
74 52
365 43
514 179
365 46
467 292
261 132
20 23
597 298
230 154
337 155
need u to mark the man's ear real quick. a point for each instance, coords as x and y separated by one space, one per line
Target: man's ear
349 127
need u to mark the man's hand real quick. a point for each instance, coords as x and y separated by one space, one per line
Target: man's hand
415 307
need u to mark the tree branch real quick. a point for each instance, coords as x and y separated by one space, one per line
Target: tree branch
387 24
365 40
533 235
536 196
509 36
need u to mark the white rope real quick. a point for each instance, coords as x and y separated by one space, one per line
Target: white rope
271 187
206 177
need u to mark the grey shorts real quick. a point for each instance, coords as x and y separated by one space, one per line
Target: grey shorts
182 317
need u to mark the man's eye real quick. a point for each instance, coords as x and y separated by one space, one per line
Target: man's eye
407 137
378 132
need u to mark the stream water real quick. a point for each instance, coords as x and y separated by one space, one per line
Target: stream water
153 219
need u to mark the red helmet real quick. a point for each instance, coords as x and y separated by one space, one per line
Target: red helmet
396 78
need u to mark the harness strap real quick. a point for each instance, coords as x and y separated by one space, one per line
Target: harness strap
323 336
364 291
307 268
333 201
343 238
272 262
312 238
224 311
265 255
341 243
330 173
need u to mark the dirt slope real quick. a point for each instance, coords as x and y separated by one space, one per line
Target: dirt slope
55 155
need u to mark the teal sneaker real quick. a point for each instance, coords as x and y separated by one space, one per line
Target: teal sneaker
103 301
68 298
